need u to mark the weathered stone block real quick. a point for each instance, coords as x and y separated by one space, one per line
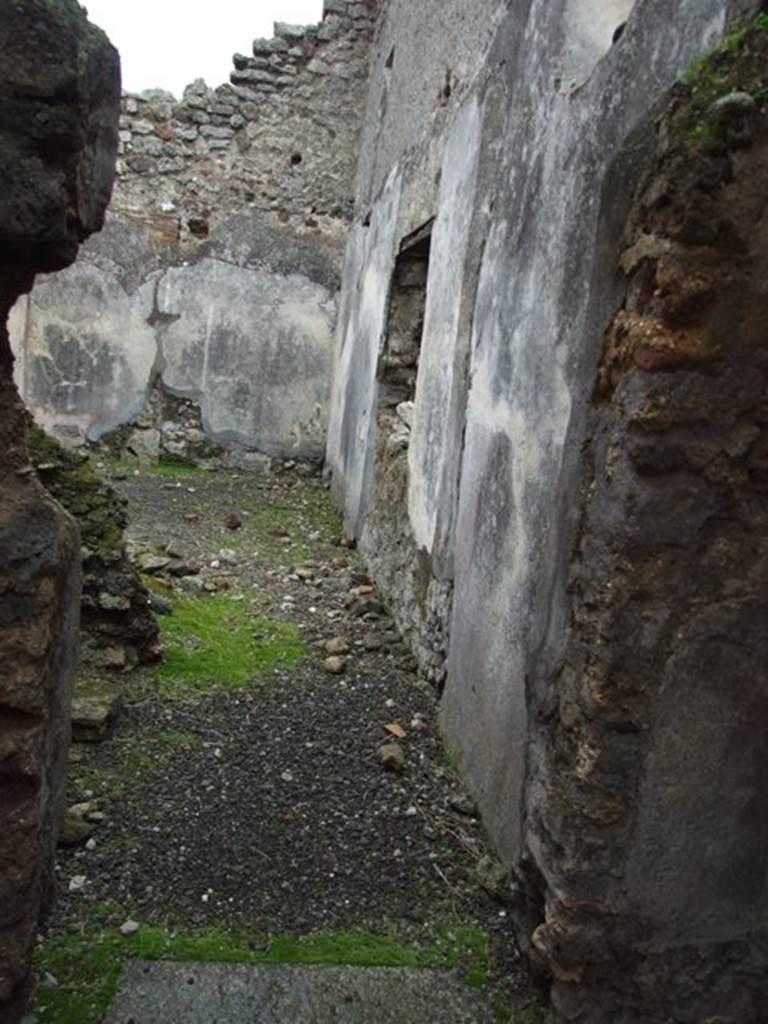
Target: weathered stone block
289 32
264 47
251 76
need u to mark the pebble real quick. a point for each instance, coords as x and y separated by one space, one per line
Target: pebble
335 665
337 645
77 883
129 928
463 804
392 756
76 826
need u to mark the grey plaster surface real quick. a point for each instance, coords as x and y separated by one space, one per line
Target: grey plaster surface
196 993
85 349
559 121
246 331
370 260
447 42
502 395
254 348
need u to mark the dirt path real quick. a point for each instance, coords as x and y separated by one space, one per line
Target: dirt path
241 788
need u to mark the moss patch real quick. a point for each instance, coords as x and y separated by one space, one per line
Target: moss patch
73 480
737 64
87 963
218 642
129 761
531 1012
174 468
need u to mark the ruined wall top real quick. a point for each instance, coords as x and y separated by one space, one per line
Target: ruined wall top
280 139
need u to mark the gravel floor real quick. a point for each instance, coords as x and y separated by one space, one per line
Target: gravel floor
268 808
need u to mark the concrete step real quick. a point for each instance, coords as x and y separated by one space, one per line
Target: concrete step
198 993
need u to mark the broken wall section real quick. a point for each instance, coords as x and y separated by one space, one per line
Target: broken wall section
215 279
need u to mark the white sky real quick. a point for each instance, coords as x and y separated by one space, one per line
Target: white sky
166 44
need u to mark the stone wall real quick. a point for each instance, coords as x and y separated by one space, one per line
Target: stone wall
59 100
118 629
216 277
577 539
280 140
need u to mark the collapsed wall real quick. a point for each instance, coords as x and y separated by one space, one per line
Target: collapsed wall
59 105
215 278
548 436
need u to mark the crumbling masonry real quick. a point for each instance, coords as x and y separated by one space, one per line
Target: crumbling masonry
546 429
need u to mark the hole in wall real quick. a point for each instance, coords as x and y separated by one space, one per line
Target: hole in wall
399 364
590 29
296 159
198 227
447 86
390 61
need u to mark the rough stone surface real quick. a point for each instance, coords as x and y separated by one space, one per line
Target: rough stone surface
278 994
569 486
59 94
116 622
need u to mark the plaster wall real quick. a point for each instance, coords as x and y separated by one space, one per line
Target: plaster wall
254 349
249 341
530 175
85 350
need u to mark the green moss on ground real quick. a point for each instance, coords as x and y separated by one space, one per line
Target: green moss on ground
218 642
86 963
175 468
129 762
280 532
